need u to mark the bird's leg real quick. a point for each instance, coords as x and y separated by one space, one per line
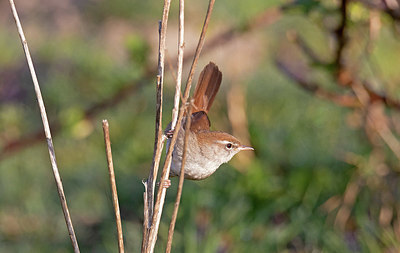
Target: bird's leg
169 133
164 183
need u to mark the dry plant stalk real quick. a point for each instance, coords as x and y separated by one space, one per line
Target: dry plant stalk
181 179
159 137
149 185
47 132
181 45
113 185
155 219
181 48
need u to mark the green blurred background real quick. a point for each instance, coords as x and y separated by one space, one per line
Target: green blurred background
323 177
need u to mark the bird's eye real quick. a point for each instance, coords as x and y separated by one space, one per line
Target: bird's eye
229 146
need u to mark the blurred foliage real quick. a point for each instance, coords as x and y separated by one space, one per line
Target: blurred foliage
321 178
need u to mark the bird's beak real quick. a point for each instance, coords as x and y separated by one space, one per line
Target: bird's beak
245 148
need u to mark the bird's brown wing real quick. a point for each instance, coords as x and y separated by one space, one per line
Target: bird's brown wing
206 88
199 121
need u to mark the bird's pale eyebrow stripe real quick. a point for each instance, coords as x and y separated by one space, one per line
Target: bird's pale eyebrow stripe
224 142
227 142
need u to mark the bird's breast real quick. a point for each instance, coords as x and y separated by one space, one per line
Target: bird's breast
200 162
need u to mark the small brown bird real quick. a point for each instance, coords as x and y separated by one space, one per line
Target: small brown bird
206 150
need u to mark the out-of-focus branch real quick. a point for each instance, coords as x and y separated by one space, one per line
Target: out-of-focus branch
377 119
341 37
374 96
386 134
349 198
265 18
298 40
16 145
343 77
362 98
384 6
301 79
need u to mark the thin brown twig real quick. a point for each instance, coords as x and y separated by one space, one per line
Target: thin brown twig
147 245
181 48
162 191
165 172
149 205
198 49
181 179
113 185
46 126
175 110
145 217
